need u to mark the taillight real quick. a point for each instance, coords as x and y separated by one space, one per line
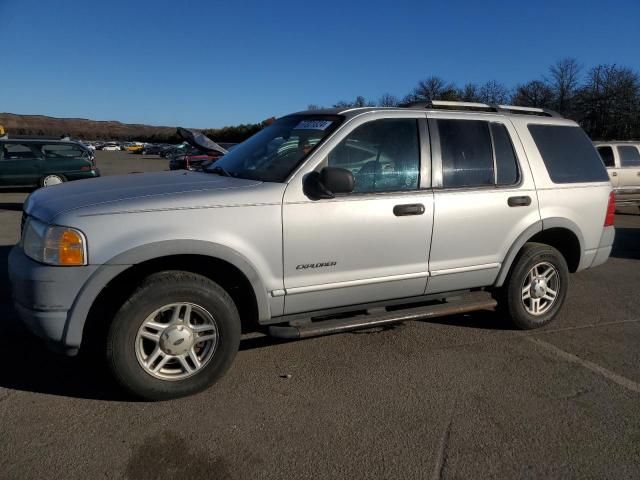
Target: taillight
611 210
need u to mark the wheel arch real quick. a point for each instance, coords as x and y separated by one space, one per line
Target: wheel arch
560 233
120 276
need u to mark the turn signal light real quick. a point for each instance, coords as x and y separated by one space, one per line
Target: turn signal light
71 248
611 211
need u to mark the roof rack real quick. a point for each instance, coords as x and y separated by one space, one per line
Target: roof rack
482 107
545 112
45 138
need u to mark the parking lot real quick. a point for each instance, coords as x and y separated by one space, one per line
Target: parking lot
461 397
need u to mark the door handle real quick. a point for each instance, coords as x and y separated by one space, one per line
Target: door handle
614 174
408 209
523 201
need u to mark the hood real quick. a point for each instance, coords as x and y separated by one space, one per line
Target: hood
200 140
102 195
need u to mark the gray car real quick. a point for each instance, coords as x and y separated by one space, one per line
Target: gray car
325 221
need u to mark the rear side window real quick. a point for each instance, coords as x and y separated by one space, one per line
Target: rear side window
468 148
606 153
629 156
568 154
467 155
506 163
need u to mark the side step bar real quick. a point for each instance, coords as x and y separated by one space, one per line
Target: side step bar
329 327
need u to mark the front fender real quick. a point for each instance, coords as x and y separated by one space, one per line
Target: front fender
121 262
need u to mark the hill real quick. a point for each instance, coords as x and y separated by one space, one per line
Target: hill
86 129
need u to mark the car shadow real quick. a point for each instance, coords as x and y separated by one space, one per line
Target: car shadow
627 243
14 206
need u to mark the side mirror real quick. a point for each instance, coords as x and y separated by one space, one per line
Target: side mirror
328 182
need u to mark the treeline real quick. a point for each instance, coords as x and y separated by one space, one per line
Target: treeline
604 100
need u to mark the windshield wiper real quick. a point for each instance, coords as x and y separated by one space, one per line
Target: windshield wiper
220 171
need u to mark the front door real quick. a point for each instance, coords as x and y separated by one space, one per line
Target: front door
371 244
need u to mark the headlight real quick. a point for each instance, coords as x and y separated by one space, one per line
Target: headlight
53 244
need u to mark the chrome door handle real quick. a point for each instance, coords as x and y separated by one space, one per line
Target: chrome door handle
614 174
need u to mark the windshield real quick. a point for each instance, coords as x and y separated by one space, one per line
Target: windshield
275 151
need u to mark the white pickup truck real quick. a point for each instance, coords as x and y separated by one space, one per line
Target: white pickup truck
622 160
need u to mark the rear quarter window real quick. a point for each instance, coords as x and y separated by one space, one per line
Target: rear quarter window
568 154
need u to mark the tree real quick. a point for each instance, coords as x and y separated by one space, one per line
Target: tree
493 93
563 80
388 100
432 88
469 93
313 106
359 102
608 104
533 94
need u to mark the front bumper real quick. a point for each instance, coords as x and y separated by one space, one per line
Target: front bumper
44 295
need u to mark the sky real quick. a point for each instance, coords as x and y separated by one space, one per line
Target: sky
207 64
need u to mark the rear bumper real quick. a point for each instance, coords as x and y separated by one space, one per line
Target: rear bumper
604 249
627 197
79 175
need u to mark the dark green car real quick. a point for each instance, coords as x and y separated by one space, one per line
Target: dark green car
44 162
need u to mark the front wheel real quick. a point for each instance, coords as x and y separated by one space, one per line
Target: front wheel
536 287
176 335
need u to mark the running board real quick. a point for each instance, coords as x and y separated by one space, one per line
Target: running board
329 327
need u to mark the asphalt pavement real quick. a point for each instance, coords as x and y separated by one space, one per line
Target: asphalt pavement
461 397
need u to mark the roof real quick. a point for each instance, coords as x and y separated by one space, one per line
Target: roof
439 106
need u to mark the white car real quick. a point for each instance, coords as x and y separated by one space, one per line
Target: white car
111 148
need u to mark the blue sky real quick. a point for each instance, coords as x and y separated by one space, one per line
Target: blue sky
215 63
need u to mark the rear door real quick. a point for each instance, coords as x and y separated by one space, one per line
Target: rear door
64 158
629 176
609 160
19 164
484 199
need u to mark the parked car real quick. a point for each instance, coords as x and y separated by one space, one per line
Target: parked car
323 222
111 147
193 161
622 160
135 148
152 149
34 162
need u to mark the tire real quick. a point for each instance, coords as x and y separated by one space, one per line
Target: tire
512 300
128 350
51 179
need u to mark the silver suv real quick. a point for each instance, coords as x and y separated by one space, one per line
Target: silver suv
622 160
323 222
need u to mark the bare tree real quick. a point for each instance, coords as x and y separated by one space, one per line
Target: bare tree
360 101
564 80
388 100
533 94
432 88
493 92
313 106
469 93
608 104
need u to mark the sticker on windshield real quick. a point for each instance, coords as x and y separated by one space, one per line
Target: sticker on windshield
313 125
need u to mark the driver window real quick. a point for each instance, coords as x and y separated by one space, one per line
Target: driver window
383 155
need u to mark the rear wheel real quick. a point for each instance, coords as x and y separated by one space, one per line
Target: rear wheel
175 336
52 179
536 287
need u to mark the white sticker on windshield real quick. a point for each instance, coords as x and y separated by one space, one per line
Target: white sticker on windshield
313 125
